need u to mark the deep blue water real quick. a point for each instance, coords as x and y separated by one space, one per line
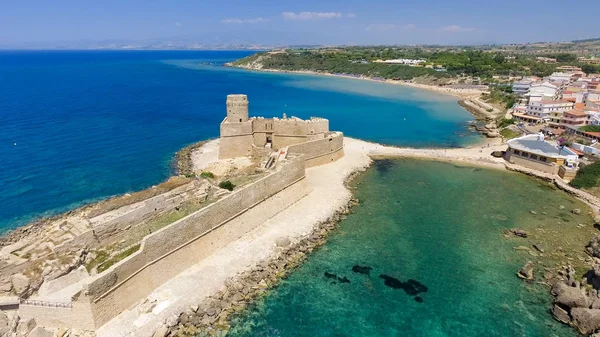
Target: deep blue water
77 126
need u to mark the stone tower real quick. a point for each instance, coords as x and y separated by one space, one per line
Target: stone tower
237 108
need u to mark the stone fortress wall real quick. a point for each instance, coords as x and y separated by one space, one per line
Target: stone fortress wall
178 246
171 250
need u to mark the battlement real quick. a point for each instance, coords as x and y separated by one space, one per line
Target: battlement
241 134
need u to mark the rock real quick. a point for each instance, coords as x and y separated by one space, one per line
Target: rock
194 308
238 297
3 320
586 320
61 332
576 211
593 248
25 327
561 207
572 298
519 232
172 321
161 332
526 272
5 285
20 283
146 306
184 318
40 332
538 248
533 212
560 314
283 242
211 312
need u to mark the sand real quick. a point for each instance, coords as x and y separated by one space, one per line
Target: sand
460 93
329 195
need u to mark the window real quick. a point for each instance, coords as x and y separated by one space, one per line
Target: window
544 159
517 152
533 156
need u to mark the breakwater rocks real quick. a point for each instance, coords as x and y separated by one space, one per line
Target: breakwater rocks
212 317
578 303
183 159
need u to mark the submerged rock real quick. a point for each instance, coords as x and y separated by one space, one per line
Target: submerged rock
526 272
411 287
576 211
336 278
519 232
365 270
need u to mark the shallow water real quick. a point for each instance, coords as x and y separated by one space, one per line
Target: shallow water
78 126
439 225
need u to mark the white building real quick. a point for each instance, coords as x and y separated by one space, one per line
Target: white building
542 91
579 97
402 61
560 77
543 109
522 87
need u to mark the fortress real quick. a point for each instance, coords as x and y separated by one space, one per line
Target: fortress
257 136
79 300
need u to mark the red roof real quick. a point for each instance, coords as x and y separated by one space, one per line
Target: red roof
577 152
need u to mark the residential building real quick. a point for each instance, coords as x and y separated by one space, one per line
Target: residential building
577 97
542 91
574 118
533 152
543 109
568 69
546 59
522 87
560 77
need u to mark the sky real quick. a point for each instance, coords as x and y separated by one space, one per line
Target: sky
54 23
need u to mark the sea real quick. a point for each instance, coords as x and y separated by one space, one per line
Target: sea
80 126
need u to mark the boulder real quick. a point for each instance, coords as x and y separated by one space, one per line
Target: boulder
172 320
572 298
586 320
593 248
20 283
576 211
38 331
162 331
560 314
283 242
519 232
526 272
3 320
25 327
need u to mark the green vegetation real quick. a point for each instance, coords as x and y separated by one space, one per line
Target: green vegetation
509 134
587 177
207 174
501 95
228 185
101 257
506 122
470 61
107 264
590 128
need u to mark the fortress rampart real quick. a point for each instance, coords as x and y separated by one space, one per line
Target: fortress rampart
173 249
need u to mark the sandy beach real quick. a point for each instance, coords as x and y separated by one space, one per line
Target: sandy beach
459 93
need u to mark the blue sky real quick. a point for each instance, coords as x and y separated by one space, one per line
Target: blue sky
55 22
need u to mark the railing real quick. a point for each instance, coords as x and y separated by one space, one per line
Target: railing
47 304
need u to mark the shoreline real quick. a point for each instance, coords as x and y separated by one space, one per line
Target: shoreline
459 93
360 157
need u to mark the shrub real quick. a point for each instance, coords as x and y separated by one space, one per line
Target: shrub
587 177
506 122
228 185
207 174
590 128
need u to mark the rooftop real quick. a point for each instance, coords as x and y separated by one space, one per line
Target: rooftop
533 144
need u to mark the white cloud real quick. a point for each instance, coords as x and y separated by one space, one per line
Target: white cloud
306 16
381 27
240 21
457 29
351 15
178 24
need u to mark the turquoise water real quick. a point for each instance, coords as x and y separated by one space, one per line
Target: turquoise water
78 126
434 223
